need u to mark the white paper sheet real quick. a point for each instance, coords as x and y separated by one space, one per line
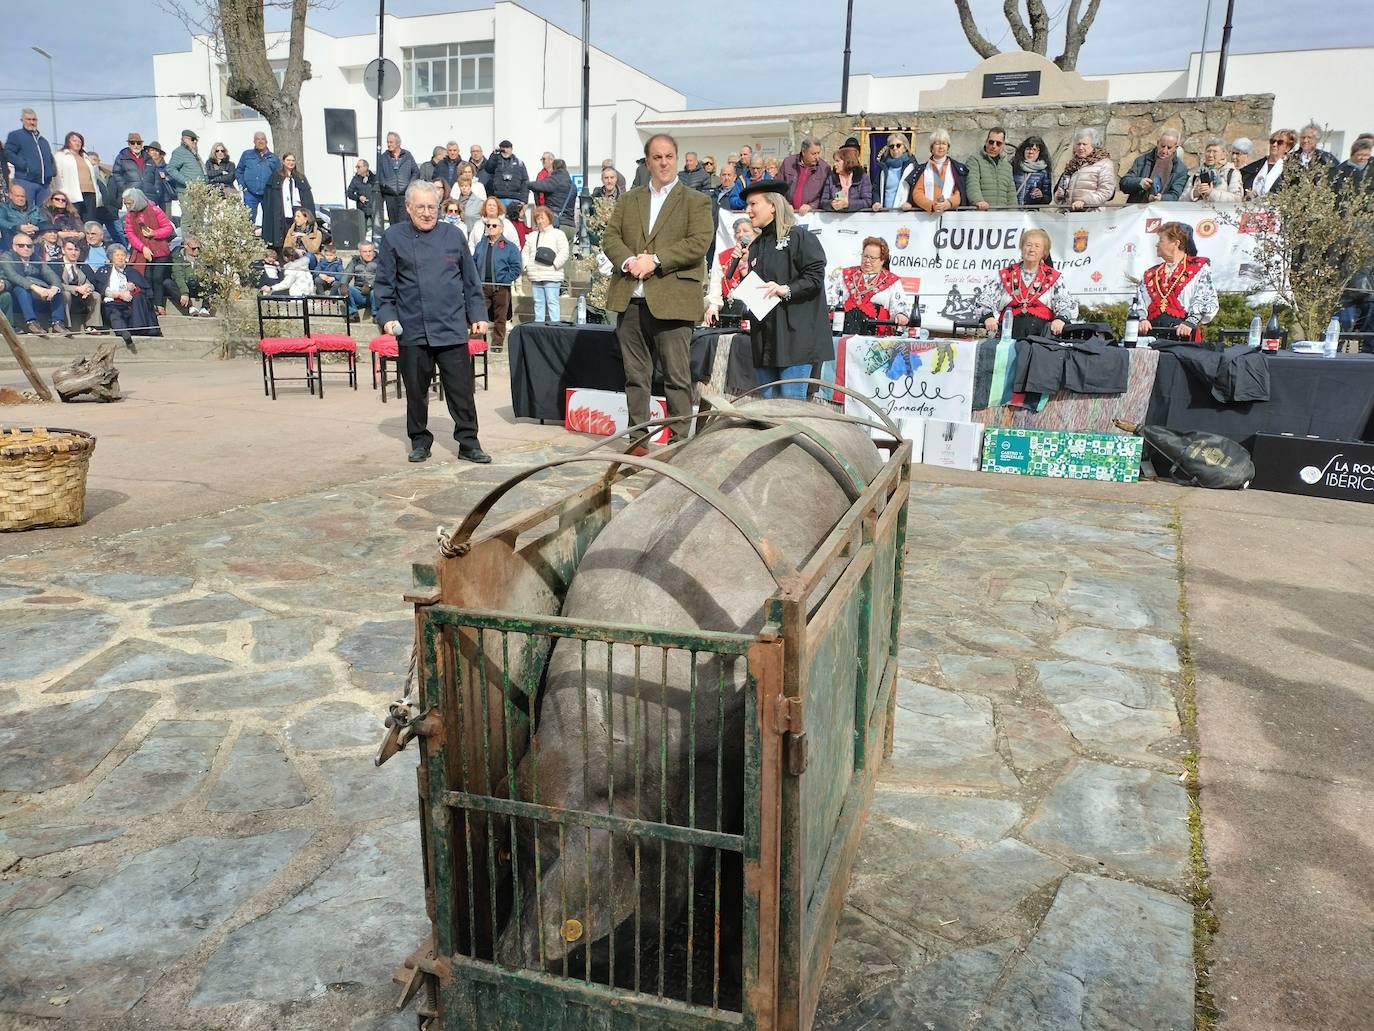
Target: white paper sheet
750 291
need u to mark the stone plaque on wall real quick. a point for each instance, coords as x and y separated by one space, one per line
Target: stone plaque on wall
1013 74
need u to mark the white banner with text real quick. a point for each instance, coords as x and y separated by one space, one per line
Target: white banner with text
946 258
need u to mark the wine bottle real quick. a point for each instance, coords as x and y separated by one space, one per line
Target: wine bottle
1272 334
1133 315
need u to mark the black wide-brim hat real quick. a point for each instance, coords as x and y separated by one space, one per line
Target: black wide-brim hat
765 186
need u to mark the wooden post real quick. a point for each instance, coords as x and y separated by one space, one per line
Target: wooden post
22 358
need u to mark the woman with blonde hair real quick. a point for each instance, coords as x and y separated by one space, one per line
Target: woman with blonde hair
793 339
1032 290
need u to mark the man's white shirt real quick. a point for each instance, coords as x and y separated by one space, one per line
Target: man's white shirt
656 199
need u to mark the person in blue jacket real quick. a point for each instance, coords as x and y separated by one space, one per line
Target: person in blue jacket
429 297
31 155
255 167
1158 174
498 265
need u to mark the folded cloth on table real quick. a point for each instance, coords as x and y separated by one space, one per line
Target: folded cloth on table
1238 374
1047 364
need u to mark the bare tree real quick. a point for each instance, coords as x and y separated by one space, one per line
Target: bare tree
1032 32
238 35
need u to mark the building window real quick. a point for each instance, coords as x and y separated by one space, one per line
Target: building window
449 75
231 109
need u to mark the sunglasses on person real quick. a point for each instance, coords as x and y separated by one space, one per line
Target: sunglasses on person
23 246
492 225
189 249
896 146
57 198
996 143
708 164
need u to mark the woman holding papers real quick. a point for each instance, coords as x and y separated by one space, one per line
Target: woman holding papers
1032 290
785 292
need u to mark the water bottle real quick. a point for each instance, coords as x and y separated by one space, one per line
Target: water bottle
582 310
1331 340
1273 336
1006 324
1132 336
1254 339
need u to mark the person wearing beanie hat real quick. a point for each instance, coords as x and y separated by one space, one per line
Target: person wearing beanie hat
184 166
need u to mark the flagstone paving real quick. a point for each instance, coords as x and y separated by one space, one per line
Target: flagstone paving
193 835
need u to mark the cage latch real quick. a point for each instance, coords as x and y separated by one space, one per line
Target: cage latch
403 722
791 725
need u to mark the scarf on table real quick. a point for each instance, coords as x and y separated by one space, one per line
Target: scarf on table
945 187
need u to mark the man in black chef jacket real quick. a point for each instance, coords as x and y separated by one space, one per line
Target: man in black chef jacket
430 299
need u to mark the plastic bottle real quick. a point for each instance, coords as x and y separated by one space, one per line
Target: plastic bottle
1273 336
582 310
1006 324
1331 339
1254 339
1132 335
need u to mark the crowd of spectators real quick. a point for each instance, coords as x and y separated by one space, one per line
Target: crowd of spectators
87 244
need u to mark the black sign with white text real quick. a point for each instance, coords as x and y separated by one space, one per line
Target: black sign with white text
1320 468
1011 84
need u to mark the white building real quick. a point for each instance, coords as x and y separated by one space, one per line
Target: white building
471 76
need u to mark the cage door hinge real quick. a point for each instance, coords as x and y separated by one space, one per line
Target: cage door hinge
790 723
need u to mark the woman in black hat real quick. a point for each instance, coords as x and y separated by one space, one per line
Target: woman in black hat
794 338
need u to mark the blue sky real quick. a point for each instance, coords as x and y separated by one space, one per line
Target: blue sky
98 46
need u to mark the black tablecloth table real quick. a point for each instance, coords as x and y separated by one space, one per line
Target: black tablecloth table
1308 395
547 358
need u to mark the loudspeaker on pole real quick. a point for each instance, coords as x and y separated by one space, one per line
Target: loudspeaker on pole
341 130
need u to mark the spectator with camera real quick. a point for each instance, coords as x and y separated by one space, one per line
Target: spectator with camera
1215 180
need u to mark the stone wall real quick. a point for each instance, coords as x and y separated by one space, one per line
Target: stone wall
1129 128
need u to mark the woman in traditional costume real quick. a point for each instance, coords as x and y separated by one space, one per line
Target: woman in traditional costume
871 291
1032 289
1177 294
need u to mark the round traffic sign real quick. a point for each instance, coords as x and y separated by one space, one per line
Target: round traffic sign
382 79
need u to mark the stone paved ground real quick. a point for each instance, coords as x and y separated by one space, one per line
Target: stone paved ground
192 833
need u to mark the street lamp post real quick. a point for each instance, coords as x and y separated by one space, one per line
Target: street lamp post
52 93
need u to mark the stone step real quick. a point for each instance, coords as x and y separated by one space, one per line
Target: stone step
49 353
183 327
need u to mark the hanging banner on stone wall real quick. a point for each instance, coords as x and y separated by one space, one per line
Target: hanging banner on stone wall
908 379
950 259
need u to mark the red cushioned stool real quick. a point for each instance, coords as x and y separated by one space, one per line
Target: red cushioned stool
478 346
385 349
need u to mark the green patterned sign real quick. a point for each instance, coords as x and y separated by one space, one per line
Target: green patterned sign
1066 456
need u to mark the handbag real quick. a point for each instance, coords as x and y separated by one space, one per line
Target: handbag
543 255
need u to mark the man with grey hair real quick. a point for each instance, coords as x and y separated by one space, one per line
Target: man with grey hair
1158 174
395 173
1308 151
693 176
448 164
429 297
33 285
805 173
31 155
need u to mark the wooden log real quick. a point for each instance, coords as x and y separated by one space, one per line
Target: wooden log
92 377
21 356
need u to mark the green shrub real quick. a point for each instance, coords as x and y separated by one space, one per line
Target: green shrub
1234 312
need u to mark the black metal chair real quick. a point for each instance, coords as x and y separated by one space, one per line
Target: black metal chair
322 310
273 310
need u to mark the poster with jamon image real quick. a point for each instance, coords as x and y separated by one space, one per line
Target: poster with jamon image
1339 469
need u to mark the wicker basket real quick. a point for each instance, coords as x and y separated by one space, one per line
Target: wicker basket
43 476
